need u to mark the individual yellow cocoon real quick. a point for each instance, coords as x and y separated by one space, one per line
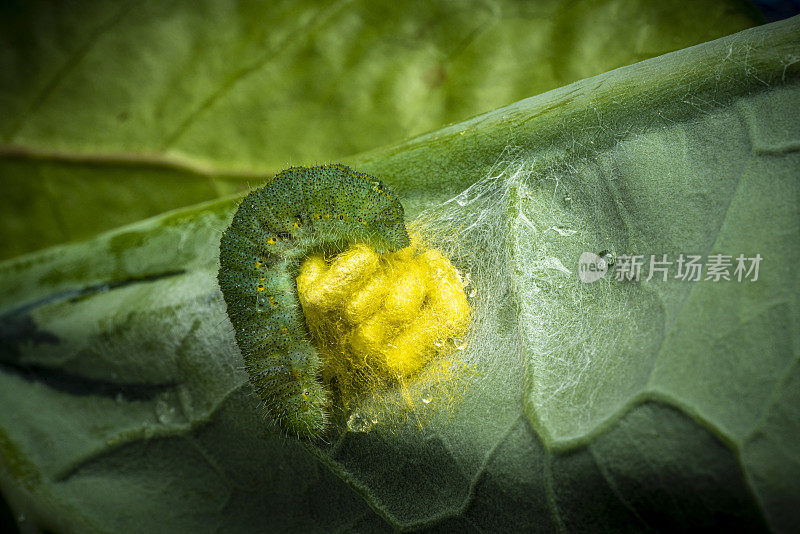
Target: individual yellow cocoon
327 286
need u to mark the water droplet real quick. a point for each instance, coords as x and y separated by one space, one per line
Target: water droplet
567 200
165 412
609 257
460 344
473 292
427 396
438 342
358 423
461 200
467 279
564 231
119 398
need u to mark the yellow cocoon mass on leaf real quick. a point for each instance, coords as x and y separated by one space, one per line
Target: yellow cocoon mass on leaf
378 318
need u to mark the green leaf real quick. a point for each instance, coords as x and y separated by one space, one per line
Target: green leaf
617 405
95 96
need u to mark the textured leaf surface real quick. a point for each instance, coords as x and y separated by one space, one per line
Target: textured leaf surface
617 405
101 100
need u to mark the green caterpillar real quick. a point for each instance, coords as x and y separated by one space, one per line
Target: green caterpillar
301 211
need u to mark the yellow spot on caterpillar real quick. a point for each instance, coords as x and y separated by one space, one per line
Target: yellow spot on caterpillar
260 287
272 240
259 263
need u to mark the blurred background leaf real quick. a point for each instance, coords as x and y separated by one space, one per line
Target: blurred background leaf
115 111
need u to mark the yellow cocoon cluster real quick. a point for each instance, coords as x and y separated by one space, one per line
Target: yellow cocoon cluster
379 318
